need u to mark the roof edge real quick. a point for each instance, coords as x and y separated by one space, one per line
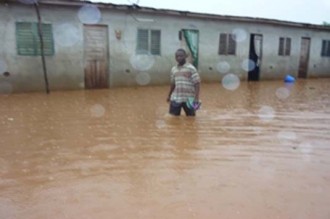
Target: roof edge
179 13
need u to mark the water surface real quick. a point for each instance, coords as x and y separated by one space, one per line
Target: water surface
259 151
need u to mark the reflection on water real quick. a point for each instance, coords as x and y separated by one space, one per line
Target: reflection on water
260 151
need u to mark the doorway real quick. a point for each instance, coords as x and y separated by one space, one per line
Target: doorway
96 56
255 57
304 57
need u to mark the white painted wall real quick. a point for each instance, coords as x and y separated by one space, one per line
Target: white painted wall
66 67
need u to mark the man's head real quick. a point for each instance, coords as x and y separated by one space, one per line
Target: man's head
180 56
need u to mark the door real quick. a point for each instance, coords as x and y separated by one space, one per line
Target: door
189 41
304 57
96 56
255 57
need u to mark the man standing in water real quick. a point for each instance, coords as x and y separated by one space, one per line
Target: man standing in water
185 84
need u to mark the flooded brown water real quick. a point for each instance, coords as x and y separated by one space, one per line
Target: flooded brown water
260 151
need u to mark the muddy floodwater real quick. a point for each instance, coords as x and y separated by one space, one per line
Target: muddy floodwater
257 150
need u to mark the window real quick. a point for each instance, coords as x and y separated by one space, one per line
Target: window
28 42
284 48
227 44
148 42
325 48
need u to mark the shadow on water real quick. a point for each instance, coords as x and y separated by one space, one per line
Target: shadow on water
259 151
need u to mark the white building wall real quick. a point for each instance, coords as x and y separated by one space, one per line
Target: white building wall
66 67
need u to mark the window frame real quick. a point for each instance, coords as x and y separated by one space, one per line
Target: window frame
325 49
28 42
284 46
151 44
227 44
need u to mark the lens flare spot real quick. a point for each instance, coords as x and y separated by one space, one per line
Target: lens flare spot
97 110
282 93
89 14
160 124
266 113
230 81
306 148
223 67
143 78
142 62
67 35
239 35
248 65
287 135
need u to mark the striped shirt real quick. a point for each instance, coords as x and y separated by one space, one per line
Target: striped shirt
184 77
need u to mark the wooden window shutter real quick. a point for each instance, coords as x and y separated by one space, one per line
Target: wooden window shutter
231 45
47 38
325 48
281 46
155 42
288 46
222 44
28 42
142 41
25 40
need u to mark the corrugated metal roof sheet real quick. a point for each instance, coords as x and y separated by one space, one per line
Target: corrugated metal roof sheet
187 14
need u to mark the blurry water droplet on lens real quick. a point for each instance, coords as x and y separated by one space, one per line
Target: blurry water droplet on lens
6 87
248 65
255 160
230 81
160 124
97 110
286 135
306 147
89 14
223 67
3 66
67 35
282 93
142 62
239 35
143 78
28 1
266 113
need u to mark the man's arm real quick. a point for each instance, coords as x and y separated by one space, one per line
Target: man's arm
171 91
197 86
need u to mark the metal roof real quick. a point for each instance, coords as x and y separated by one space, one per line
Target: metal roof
185 14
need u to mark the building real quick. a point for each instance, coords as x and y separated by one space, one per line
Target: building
96 45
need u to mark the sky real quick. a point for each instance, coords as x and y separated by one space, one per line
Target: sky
303 11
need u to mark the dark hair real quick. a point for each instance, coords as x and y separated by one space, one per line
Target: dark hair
182 50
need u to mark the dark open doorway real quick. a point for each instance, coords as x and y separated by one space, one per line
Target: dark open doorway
304 57
255 55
